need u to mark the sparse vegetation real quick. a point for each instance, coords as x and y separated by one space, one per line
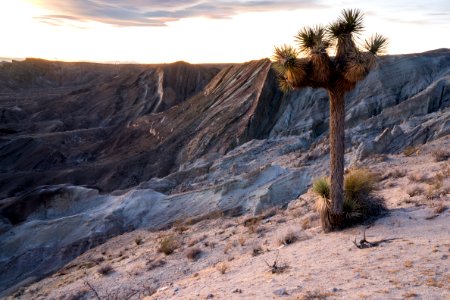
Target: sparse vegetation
414 190
408 263
105 270
306 224
288 238
242 240
209 216
228 247
441 155
138 241
169 244
193 253
397 173
409 151
418 177
315 295
257 250
276 267
440 208
222 267
153 264
359 202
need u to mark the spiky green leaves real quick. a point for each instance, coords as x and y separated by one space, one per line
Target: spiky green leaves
290 69
312 39
350 22
285 58
349 65
377 44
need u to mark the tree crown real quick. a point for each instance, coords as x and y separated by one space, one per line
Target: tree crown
311 64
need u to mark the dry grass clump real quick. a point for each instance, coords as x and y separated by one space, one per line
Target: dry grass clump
418 177
105 270
257 250
408 263
197 240
222 267
306 224
242 240
193 253
414 190
314 295
359 201
396 173
288 238
153 264
228 247
441 155
138 241
209 216
409 151
440 208
169 244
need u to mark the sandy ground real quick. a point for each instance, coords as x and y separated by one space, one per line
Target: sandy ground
237 256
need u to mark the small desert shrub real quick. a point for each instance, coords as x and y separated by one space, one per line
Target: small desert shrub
306 224
418 177
257 250
315 295
440 208
209 216
441 155
193 253
169 244
397 173
138 241
252 221
242 240
359 201
408 263
414 190
105 270
153 264
197 240
288 238
222 267
409 151
228 247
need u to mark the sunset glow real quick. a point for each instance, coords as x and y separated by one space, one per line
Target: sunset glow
199 31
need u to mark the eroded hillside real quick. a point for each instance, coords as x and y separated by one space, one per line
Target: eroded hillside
88 152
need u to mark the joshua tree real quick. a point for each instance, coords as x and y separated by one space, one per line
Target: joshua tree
338 75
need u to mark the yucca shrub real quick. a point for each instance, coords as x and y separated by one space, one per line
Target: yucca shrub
321 187
360 203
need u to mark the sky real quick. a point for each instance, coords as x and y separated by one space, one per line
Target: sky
202 31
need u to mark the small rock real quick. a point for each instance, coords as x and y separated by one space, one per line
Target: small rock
237 291
444 257
210 296
281 292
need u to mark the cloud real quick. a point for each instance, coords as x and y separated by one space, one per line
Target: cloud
157 12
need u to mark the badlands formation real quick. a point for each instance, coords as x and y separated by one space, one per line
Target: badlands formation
99 163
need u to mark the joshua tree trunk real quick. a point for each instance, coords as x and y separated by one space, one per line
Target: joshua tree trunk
337 122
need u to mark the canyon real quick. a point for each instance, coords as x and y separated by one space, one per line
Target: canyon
91 151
